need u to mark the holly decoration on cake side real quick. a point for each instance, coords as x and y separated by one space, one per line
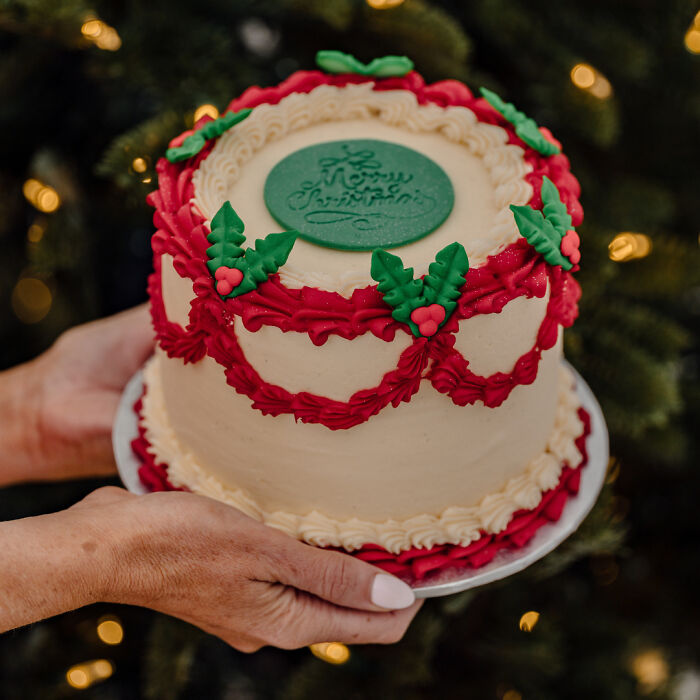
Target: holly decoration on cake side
196 141
424 304
385 67
525 127
549 231
238 271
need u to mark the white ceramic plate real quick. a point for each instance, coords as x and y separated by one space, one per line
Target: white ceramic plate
506 563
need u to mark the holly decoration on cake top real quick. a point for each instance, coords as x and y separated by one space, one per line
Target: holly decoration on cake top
549 231
196 141
525 127
238 271
384 67
424 304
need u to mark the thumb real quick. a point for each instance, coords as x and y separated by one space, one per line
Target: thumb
342 579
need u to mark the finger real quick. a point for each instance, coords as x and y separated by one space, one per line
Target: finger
312 620
341 578
131 338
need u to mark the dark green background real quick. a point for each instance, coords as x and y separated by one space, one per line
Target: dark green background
76 117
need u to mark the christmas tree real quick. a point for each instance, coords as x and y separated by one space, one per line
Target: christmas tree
94 92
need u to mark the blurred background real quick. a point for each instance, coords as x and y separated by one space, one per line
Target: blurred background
90 94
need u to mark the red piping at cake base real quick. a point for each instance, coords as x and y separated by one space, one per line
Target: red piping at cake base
418 562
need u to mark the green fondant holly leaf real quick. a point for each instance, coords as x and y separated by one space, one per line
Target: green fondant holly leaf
525 127
397 285
553 208
227 237
255 264
446 276
384 67
194 143
440 286
545 231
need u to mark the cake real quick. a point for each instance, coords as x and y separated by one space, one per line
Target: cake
360 286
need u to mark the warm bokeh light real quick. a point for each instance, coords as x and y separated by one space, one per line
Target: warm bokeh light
582 76
629 246
205 110
110 630
92 28
613 472
384 4
31 300
36 231
84 675
586 77
43 197
101 34
139 165
650 668
331 652
692 39
528 621
512 695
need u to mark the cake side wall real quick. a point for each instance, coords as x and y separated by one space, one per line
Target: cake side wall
490 342
376 468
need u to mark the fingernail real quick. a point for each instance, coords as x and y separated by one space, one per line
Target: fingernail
391 593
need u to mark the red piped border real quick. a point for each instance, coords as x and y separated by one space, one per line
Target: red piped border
417 563
516 271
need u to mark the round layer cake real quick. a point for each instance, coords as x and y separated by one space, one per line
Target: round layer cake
360 284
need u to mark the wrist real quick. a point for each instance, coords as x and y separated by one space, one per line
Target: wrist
20 440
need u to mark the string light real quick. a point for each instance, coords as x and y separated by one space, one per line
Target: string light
692 36
205 110
586 77
613 470
384 4
101 34
41 196
31 300
110 630
139 165
331 652
84 675
528 621
650 668
512 694
36 231
629 246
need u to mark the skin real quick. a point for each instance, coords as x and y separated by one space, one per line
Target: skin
181 554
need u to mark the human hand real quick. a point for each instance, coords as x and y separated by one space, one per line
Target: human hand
251 585
62 404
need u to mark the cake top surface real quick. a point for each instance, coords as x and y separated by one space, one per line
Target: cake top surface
371 176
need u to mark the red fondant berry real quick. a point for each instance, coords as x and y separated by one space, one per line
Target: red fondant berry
228 278
569 246
428 318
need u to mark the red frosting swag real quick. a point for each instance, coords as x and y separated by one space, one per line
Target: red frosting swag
517 271
418 562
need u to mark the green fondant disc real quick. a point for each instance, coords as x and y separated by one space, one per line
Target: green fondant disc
359 194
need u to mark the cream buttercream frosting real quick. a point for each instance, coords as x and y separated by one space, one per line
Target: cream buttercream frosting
454 525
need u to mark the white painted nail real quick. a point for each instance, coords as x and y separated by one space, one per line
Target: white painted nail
391 593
